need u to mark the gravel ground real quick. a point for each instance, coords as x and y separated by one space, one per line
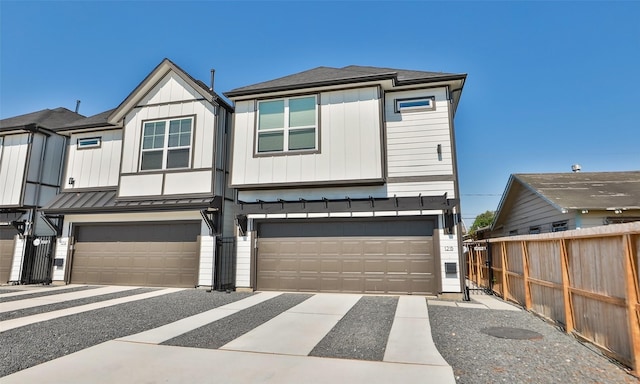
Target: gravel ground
362 333
33 344
71 303
219 333
478 358
41 293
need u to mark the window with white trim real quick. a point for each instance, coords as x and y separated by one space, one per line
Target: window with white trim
89 142
166 144
287 125
415 104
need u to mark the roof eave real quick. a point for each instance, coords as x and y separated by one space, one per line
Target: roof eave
316 84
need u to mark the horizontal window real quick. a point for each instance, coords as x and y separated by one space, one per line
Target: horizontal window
559 226
164 148
287 125
89 142
415 104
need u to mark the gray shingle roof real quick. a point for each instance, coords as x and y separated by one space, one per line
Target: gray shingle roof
587 190
350 74
52 119
99 120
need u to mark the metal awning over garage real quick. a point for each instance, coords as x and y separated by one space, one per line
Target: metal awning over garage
374 255
107 201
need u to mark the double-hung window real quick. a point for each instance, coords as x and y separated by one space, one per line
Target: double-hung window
286 125
166 144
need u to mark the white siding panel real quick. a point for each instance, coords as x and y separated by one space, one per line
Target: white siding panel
18 254
62 248
413 137
449 254
207 253
12 167
243 260
94 167
360 192
187 183
350 144
140 185
430 188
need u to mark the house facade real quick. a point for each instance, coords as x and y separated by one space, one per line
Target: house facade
145 187
552 202
346 181
31 154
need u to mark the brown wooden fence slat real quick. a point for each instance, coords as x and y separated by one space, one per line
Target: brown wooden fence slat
587 280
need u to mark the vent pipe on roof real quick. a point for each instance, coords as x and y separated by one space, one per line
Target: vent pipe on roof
77 106
213 73
576 167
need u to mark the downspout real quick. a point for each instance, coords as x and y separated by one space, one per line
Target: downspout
454 159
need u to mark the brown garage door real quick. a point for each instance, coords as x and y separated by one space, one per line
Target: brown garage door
158 254
375 256
6 253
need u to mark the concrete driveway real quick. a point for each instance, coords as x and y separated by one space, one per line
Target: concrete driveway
267 337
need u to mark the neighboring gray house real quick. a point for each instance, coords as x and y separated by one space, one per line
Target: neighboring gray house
551 202
145 187
347 181
31 157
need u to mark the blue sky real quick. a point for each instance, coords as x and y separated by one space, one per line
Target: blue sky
549 84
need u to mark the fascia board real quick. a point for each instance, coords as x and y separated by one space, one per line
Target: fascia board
147 85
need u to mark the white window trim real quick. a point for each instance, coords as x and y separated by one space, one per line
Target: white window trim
165 145
89 142
286 129
431 106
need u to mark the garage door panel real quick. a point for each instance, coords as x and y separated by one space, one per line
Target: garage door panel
145 263
310 265
351 265
330 266
374 264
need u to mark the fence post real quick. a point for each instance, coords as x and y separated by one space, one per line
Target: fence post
505 270
525 276
566 294
632 300
478 268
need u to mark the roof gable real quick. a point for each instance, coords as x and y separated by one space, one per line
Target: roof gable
574 191
159 73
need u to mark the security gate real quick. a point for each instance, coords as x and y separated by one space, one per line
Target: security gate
38 260
225 268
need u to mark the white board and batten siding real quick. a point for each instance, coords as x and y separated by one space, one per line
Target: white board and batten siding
172 97
15 149
94 167
349 139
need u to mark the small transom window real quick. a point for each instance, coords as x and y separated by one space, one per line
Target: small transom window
89 142
415 104
287 125
559 226
164 148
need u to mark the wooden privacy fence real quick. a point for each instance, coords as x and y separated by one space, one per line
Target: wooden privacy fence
584 280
